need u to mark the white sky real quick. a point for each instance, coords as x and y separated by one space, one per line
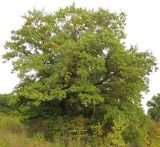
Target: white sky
143 28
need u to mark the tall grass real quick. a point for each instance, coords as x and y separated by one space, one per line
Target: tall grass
14 134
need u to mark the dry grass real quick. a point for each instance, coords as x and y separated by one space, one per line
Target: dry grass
13 134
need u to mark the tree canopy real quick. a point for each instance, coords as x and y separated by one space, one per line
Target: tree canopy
73 65
154 107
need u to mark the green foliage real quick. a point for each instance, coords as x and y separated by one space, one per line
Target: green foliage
136 131
154 114
8 103
114 137
154 107
154 135
67 79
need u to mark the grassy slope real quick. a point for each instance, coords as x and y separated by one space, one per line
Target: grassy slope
13 134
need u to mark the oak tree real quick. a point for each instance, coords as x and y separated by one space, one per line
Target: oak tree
74 63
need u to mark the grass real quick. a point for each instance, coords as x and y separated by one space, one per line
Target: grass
14 134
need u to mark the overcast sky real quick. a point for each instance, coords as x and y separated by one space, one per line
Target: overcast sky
143 28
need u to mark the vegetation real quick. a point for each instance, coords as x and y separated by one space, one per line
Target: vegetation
78 82
154 108
14 134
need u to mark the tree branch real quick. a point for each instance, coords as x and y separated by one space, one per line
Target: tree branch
106 77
